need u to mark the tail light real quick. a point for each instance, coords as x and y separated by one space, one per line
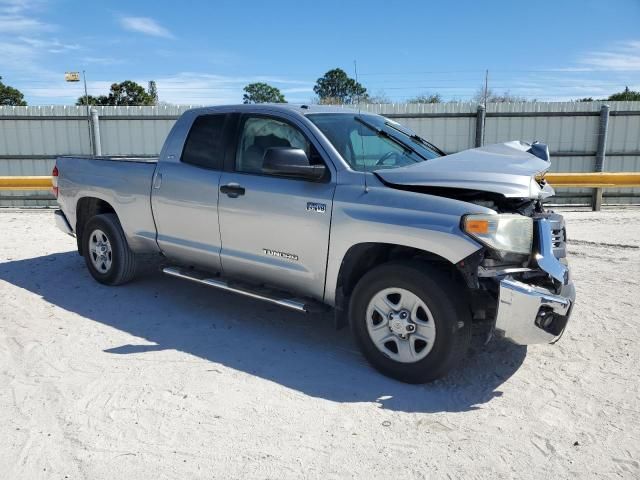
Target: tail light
54 181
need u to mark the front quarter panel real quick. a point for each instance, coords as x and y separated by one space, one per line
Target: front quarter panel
386 215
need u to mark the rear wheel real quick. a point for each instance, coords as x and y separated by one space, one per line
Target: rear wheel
411 321
106 251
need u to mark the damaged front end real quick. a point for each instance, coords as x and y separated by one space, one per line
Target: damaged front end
519 280
528 298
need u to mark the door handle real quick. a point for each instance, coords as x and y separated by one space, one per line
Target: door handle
233 190
157 181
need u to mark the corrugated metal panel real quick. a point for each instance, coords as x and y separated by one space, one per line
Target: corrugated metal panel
451 126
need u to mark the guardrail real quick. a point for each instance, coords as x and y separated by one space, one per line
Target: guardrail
596 180
25 183
564 180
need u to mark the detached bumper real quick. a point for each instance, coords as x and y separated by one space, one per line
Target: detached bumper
528 314
62 223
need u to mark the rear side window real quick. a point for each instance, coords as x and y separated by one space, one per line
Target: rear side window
205 144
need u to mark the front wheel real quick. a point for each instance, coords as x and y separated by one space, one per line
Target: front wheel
106 251
411 321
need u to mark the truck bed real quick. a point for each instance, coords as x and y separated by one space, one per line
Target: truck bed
122 182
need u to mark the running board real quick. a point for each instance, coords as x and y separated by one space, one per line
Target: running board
194 276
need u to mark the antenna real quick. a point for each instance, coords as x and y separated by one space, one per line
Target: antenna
355 68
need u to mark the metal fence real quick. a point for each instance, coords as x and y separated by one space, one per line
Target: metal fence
31 137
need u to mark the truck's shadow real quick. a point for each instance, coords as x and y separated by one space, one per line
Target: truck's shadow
301 352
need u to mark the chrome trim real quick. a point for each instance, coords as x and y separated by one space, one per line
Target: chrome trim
492 273
62 223
222 285
519 305
545 258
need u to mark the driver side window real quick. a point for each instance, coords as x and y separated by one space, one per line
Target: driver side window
258 135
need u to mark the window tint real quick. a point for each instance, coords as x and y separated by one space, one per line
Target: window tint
260 134
205 145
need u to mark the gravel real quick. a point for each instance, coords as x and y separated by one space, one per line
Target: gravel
162 378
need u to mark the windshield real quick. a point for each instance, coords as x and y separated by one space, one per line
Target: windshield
372 142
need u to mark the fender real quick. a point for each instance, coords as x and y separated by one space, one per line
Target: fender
385 215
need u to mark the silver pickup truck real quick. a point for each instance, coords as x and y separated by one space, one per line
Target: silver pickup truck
312 207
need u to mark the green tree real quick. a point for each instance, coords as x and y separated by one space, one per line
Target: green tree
336 87
625 96
11 96
124 93
153 91
426 98
262 93
91 100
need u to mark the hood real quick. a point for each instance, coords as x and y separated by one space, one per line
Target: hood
506 168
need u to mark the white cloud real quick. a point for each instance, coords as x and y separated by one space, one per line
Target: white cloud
624 56
16 16
12 7
21 24
101 60
49 45
145 25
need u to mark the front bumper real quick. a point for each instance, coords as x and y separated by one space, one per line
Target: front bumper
529 314
62 223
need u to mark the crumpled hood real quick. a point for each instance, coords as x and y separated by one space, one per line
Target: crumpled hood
505 168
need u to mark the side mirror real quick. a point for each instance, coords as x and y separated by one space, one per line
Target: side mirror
291 162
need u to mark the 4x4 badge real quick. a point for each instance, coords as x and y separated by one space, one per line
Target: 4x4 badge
316 207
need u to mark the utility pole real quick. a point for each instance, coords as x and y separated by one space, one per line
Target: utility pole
484 110
74 77
486 88
86 101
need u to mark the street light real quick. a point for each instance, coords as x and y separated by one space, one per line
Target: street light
73 77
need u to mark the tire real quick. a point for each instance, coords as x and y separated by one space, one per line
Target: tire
117 263
427 318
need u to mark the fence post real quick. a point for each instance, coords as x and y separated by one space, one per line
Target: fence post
480 117
95 123
603 126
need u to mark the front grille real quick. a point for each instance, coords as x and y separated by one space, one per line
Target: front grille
558 234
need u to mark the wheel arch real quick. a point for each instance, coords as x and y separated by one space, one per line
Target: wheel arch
362 257
87 207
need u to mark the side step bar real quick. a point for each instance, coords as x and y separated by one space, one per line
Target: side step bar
293 304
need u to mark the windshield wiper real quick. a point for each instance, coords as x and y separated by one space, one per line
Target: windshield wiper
416 138
397 141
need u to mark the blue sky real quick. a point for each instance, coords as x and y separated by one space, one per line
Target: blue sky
204 52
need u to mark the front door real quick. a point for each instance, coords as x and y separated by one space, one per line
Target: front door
274 229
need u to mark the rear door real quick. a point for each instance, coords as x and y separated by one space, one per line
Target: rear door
275 229
185 195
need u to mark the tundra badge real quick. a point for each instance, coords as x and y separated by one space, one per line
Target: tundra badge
275 253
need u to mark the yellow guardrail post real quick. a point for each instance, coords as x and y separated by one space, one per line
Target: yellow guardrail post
601 153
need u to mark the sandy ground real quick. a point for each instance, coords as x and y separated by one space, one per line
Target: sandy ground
166 379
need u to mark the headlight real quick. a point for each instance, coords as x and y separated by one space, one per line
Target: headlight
503 232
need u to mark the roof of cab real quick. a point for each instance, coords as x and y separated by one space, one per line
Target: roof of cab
300 109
